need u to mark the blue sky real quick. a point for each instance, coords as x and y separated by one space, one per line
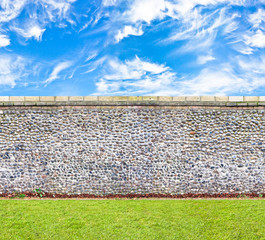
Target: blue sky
132 47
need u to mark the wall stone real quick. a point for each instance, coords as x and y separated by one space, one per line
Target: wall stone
132 149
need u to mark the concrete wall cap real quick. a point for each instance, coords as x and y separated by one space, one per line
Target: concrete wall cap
133 100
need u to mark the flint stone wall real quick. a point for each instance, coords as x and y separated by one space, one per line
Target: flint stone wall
160 148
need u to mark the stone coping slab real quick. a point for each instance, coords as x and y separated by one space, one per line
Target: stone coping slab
229 101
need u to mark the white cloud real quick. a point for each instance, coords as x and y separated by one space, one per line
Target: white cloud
231 27
11 69
10 9
128 30
4 40
252 64
107 3
256 39
201 42
56 8
141 77
133 76
146 10
204 59
220 81
183 6
38 14
241 75
138 12
31 31
138 77
189 17
257 18
56 71
196 25
133 69
51 8
242 48
93 65
91 56
252 70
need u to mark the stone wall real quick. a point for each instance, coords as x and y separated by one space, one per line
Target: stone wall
121 145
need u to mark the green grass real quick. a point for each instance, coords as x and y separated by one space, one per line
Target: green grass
132 219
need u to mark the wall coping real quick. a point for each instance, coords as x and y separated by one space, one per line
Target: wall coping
132 101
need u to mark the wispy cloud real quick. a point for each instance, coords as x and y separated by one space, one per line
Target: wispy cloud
30 31
107 3
202 42
57 70
192 47
205 58
243 48
257 18
200 30
37 14
188 15
56 8
242 74
141 77
12 69
212 81
136 76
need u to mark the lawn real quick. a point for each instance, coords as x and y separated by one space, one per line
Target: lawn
132 219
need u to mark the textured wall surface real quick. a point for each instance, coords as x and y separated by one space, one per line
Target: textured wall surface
110 150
